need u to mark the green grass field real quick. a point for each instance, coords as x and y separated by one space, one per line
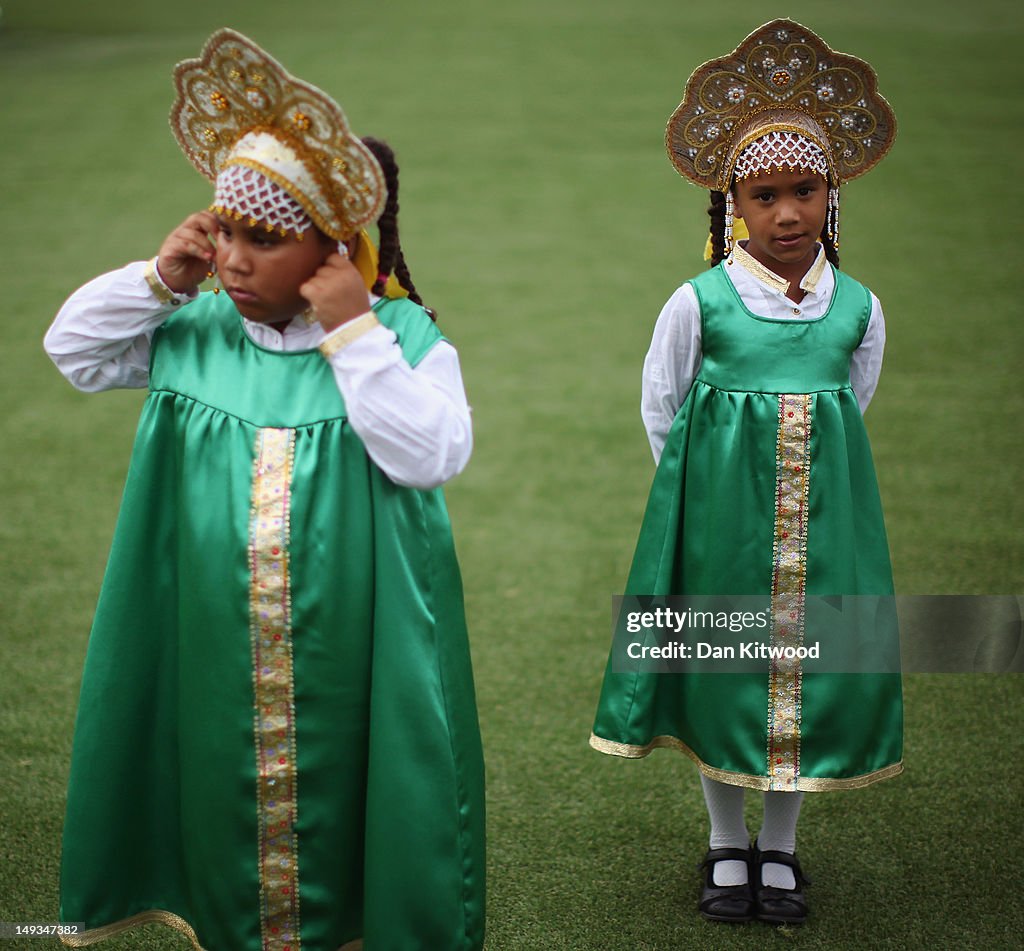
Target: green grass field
544 222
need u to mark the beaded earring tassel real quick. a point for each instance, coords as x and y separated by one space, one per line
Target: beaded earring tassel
832 218
728 222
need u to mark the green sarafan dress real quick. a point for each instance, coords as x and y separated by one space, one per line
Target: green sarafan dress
766 488
277 744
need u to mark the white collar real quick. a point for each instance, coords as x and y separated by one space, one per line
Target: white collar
297 335
755 268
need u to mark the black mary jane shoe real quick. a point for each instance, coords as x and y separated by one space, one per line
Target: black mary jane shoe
779 906
725 902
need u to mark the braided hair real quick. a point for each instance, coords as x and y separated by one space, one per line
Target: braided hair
716 212
390 251
831 254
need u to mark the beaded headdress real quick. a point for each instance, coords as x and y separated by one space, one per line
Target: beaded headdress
783 77
783 99
256 131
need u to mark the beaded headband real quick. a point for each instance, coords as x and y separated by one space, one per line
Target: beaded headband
781 78
237 106
778 150
245 194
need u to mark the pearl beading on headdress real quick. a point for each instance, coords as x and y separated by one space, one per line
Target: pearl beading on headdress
244 193
779 151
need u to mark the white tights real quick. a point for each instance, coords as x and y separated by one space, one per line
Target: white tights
729 831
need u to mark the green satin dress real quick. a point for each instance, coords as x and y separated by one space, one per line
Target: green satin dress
277 744
765 488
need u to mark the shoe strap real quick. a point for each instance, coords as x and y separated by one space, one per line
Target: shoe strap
782 858
725 855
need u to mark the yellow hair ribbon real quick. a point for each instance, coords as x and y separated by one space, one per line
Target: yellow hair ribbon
366 260
739 233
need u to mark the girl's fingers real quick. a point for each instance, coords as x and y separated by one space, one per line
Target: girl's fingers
192 243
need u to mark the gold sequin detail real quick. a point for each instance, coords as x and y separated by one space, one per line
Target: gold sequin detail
274 689
219 100
301 121
789 578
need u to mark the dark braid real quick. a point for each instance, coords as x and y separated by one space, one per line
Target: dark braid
717 214
392 261
831 254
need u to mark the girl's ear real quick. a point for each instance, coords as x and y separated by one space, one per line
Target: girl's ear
736 213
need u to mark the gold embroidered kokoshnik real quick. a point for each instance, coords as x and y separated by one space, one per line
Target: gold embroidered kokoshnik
273 683
789 576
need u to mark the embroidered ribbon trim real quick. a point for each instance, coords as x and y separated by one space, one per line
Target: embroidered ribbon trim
789 577
273 683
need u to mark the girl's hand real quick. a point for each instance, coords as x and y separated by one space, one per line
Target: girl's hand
187 254
336 292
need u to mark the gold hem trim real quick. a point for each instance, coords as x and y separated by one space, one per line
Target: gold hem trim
762 783
154 916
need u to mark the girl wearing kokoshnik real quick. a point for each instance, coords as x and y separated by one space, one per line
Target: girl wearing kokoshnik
277 744
753 393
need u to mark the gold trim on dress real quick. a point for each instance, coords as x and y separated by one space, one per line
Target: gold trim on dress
136 921
810 280
765 275
803 784
789 577
755 268
274 689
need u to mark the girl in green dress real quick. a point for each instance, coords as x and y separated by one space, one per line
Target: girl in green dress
754 389
277 745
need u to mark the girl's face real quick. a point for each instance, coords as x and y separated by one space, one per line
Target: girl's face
785 213
263 271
